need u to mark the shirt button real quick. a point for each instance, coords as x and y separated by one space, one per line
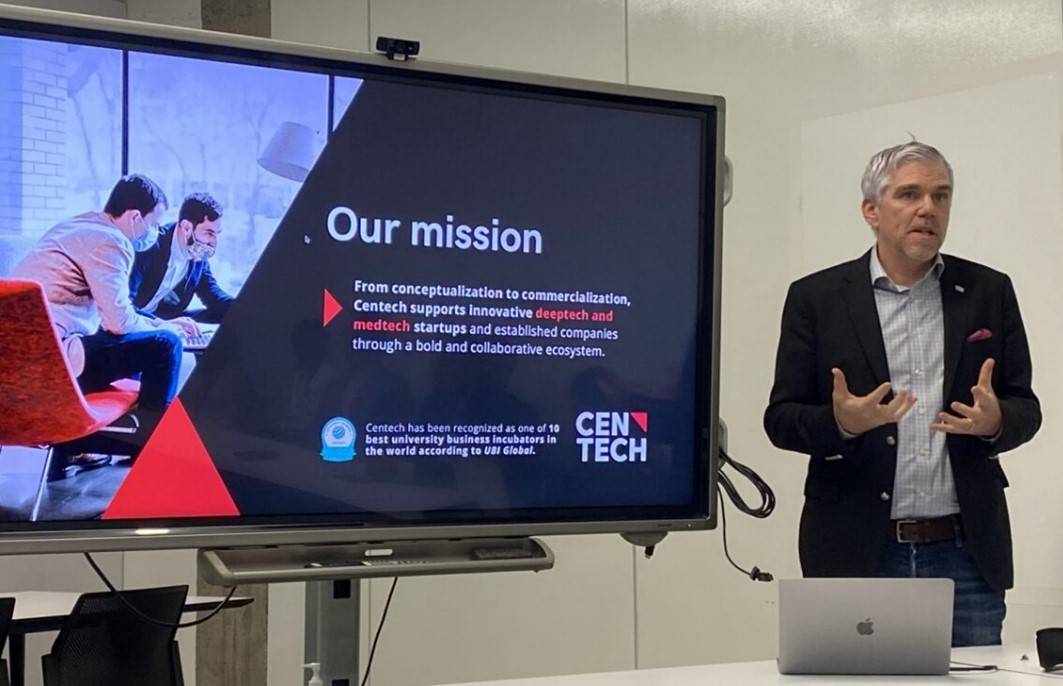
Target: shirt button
890 440
884 496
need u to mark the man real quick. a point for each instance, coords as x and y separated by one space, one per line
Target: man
84 265
167 275
904 374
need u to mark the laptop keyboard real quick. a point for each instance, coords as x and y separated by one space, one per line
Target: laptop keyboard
198 342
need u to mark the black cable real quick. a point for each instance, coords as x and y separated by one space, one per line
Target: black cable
151 620
767 496
379 628
754 574
971 667
766 507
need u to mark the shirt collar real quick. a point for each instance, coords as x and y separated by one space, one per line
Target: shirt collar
880 278
178 248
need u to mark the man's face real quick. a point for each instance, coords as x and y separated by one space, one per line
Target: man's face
207 232
202 239
155 216
912 215
136 224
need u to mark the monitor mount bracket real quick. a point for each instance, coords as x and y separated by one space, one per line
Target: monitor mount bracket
331 570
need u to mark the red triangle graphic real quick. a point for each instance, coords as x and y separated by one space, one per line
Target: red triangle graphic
331 309
641 419
173 477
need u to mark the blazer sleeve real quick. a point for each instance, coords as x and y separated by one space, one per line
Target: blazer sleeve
798 418
214 298
1019 408
106 269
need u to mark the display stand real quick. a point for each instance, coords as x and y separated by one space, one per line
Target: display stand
332 572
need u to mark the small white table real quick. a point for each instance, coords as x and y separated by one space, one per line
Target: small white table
1013 671
37 611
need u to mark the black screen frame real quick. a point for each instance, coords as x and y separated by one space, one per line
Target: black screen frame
64 536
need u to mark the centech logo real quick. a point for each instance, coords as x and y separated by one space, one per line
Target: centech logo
607 436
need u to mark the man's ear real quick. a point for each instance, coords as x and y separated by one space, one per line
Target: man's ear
870 212
128 218
186 227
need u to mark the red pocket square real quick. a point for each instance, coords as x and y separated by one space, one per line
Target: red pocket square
980 335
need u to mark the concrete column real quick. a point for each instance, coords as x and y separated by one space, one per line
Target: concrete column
173 12
249 17
231 648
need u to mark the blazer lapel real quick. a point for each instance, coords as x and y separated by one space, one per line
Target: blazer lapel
187 287
860 300
956 308
154 276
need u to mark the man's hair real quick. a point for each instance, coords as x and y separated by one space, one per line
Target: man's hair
134 192
199 207
885 162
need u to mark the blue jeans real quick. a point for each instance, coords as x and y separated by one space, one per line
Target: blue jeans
154 357
978 610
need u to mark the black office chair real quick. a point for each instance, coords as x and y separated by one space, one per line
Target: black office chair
103 643
7 611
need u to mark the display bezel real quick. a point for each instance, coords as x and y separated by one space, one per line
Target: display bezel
99 535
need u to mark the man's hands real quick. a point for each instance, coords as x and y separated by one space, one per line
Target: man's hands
188 326
981 419
857 414
185 327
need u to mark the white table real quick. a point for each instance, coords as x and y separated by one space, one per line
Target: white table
37 611
1014 671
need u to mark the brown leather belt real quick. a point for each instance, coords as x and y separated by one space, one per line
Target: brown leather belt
927 530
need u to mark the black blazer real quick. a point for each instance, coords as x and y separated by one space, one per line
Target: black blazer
830 320
149 268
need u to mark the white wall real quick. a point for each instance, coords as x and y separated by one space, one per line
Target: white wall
813 89
335 23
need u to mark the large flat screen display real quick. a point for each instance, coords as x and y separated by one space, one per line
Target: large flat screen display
315 291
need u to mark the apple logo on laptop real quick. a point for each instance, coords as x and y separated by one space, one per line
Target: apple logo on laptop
866 627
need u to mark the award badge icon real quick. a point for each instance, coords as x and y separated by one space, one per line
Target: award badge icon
337 440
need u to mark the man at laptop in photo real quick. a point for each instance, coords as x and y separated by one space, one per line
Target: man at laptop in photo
176 268
904 374
84 265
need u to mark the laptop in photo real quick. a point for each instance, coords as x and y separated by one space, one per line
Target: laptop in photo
199 343
865 626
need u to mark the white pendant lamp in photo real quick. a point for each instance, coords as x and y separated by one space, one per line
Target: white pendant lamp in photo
291 152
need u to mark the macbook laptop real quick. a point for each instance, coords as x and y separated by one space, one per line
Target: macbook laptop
865 626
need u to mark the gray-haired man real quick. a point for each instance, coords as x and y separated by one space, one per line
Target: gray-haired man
903 375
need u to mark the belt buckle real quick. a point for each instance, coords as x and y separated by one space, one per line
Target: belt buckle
897 531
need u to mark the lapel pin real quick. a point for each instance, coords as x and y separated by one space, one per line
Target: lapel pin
959 288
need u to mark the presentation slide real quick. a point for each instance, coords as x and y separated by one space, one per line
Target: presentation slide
468 300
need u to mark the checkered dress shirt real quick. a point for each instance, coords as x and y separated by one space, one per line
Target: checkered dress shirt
913 330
